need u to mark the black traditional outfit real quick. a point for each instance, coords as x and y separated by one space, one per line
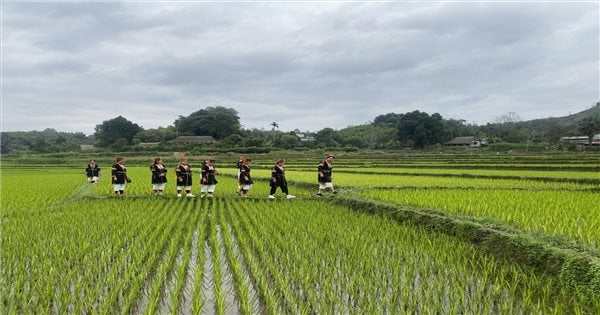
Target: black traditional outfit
184 179
208 180
184 175
92 172
159 173
159 178
278 180
119 178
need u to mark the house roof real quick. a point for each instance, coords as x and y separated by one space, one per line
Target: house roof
194 139
87 146
462 140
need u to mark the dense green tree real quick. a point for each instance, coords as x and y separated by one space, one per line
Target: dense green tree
120 144
233 140
370 136
589 126
159 134
218 122
390 120
255 137
418 129
287 141
327 137
47 141
111 130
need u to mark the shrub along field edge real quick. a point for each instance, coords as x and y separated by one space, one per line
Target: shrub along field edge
576 270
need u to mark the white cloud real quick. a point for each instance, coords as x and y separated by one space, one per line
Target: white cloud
308 66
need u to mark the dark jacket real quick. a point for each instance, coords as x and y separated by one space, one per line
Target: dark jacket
208 175
325 169
278 177
184 175
92 170
157 170
245 178
120 172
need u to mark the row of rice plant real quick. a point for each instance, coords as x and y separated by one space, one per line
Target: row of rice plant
343 262
383 180
28 190
83 260
570 214
475 171
559 160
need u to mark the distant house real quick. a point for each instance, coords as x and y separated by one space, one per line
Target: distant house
576 139
304 136
86 147
148 144
596 139
195 139
472 142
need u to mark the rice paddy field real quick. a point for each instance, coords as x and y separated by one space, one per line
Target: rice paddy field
69 247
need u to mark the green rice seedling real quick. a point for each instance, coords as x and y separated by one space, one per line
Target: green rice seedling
565 213
78 251
451 170
241 287
251 248
371 180
197 297
166 268
215 250
182 268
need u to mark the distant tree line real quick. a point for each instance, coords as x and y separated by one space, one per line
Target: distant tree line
46 141
414 129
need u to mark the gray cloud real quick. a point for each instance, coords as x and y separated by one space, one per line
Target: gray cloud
70 66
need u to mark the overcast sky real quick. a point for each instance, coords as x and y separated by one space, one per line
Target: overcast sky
306 65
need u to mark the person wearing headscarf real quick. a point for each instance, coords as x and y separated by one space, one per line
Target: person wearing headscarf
159 176
245 177
119 177
324 173
208 181
92 172
278 180
184 178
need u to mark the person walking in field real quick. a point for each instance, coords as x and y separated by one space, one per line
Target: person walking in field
278 180
324 170
184 178
119 177
92 172
208 180
245 178
239 166
159 176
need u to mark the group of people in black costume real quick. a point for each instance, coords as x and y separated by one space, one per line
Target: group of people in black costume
208 180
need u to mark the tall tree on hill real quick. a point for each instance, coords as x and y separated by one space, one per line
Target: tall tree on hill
388 120
111 130
589 126
419 129
218 122
327 137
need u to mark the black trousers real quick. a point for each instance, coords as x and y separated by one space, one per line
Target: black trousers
284 189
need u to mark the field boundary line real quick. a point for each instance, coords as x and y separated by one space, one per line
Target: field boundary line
574 268
83 191
512 177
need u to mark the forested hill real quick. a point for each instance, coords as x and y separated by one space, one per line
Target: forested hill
571 120
546 129
414 130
